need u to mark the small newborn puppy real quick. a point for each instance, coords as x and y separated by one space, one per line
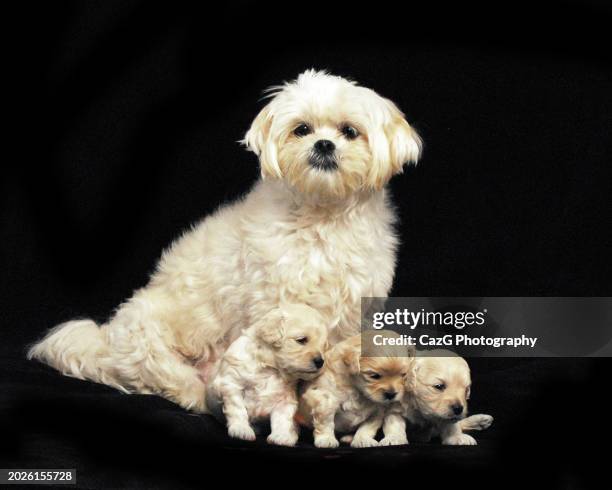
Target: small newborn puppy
353 393
257 377
436 400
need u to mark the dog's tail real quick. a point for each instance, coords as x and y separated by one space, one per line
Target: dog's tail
77 348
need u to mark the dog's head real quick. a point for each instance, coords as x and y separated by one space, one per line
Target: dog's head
441 385
328 137
380 379
296 335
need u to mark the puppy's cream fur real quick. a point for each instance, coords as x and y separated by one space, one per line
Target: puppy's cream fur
440 381
257 376
323 238
353 393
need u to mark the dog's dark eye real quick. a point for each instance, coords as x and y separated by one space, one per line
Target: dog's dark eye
302 340
302 130
440 387
349 132
374 376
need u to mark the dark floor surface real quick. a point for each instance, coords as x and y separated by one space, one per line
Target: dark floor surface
132 441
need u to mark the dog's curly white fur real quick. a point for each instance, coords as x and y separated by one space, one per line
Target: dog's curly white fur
257 376
316 229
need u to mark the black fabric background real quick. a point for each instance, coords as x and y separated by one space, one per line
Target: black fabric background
131 112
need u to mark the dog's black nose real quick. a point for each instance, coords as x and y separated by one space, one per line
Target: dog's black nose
390 395
457 408
324 146
318 362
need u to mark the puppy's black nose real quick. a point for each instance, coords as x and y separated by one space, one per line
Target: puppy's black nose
390 395
318 362
324 146
457 408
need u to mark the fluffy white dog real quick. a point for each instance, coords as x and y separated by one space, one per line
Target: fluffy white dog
257 376
316 229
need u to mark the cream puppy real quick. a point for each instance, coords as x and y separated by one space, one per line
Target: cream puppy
436 399
257 376
353 393
316 229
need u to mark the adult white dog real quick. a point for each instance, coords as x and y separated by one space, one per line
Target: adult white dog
316 229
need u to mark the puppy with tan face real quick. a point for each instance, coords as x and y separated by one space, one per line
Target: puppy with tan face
353 393
436 399
257 376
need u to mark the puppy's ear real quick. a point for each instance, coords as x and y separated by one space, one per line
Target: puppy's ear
394 144
468 392
411 377
259 140
350 358
270 328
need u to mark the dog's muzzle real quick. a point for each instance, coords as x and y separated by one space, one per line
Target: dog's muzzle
322 156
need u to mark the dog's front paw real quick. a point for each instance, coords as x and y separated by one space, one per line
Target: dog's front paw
460 440
241 431
326 441
360 442
394 440
481 421
281 439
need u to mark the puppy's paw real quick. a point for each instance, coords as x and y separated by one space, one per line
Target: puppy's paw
241 431
360 442
394 440
281 439
326 441
460 440
480 421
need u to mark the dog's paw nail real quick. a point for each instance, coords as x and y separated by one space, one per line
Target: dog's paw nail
326 442
360 442
282 439
460 440
241 431
393 441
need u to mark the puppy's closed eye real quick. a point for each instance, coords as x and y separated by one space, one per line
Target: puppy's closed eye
373 375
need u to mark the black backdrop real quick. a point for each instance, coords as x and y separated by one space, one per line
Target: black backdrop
132 112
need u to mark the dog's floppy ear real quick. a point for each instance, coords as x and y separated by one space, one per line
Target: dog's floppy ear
394 143
259 140
468 392
350 358
405 144
270 328
411 376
